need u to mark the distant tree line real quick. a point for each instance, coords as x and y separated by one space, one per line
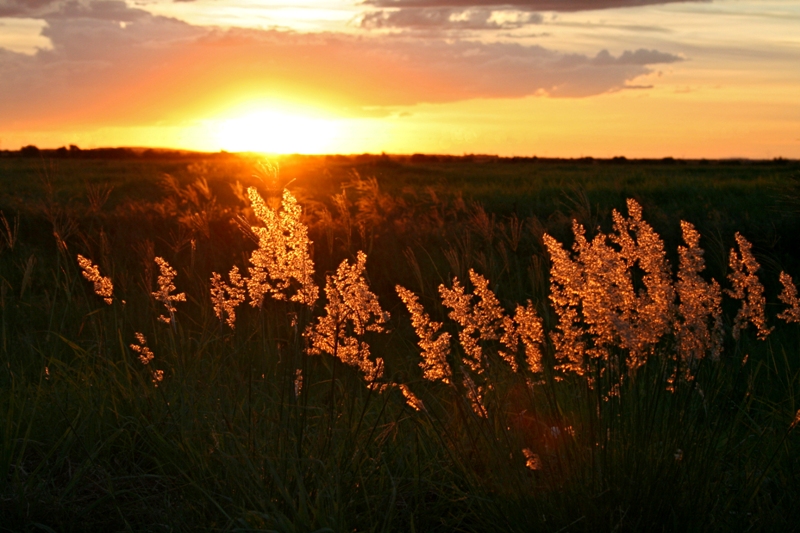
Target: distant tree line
382 159
74 152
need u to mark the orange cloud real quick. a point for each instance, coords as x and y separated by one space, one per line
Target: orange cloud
113 65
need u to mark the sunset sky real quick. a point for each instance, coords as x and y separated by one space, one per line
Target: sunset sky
560 78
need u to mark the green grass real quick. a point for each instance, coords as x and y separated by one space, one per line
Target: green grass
223 443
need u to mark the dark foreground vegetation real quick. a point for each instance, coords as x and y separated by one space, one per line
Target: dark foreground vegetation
246 429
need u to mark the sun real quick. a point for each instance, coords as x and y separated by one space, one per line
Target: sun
276 131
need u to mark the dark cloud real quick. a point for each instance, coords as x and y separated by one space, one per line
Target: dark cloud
639 57
531 5
24 8
446 18
154 68
49 9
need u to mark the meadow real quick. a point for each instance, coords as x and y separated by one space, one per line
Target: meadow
384 343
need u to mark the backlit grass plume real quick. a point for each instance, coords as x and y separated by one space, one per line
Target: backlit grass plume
484 320
145 354
411 398
352 310
529 332
598 304
748 289
282 266
434 349
227 297
566 280
789 296
166 288
103 287
654 305
698 330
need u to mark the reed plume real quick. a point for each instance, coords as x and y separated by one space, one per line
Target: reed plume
434 350
102 285
166 287
479 322
653 306
144 353
226 306
352 310
282 266
411 398
532 460
698 330
529 331
748 289
596 300
789 297
566 281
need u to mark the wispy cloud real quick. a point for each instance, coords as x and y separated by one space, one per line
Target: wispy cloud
449 18
531 5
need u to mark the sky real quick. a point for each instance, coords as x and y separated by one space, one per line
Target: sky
552 78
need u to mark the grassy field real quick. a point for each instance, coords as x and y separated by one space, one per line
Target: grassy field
285 422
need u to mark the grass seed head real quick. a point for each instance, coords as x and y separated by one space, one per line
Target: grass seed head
102 285
411 399
789 297
166 288
698 330
481 321
529 330
282 264
435 350
747 288
352 310
145 354
226 298
532 460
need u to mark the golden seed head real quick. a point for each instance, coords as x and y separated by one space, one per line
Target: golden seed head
145 354
227 297
282 265
532 460
411 399
434 349
352 310
789 297
747 288
698 330
484 320
166 288
102 285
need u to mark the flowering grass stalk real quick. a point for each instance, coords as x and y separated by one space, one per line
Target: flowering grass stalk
165 291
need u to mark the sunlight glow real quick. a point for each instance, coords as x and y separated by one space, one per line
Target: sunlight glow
276 132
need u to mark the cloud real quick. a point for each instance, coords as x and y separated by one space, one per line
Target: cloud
114 65
530 5
447 18
67 8
639 57
22 8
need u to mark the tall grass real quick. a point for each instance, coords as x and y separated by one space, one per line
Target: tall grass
519 384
